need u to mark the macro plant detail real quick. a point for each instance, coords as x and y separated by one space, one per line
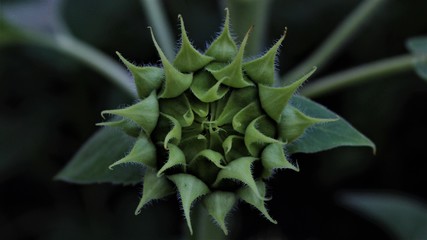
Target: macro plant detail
211 126
190 130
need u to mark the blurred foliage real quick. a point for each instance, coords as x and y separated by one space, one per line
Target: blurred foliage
402 216
418 46
50 103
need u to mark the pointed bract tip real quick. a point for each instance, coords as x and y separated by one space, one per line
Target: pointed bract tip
285 32
152 36
141 204
251 28
374 149
268 198
151 32
120 56
227 15
123 59
181 22
103 113
245 40
296 165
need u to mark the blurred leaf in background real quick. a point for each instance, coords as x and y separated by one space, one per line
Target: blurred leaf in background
403 217
418 46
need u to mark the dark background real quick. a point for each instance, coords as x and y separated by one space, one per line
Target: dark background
49 105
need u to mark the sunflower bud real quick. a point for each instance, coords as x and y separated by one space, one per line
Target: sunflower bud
205 121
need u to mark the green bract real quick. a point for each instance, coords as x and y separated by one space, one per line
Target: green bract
205 121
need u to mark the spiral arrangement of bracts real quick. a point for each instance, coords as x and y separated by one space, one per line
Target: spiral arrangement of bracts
211 125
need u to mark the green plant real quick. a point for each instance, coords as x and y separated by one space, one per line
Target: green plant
212 126
90 164
208 118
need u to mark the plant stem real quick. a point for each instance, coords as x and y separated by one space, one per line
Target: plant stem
372 71
157 18
97 60
90 56
339 37
247 13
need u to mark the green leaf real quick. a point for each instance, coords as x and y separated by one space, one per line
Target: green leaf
175 82
294 123
223 48
143 152
206 88
145 113
90 163
154 187
261 70
189 188
273 157
247 195
219 204
176 158
273 100
239 169
402 216
259 133
418 46
178 108
232 74
325 136
146 79
188 59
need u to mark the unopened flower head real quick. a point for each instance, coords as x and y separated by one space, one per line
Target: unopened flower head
211 125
